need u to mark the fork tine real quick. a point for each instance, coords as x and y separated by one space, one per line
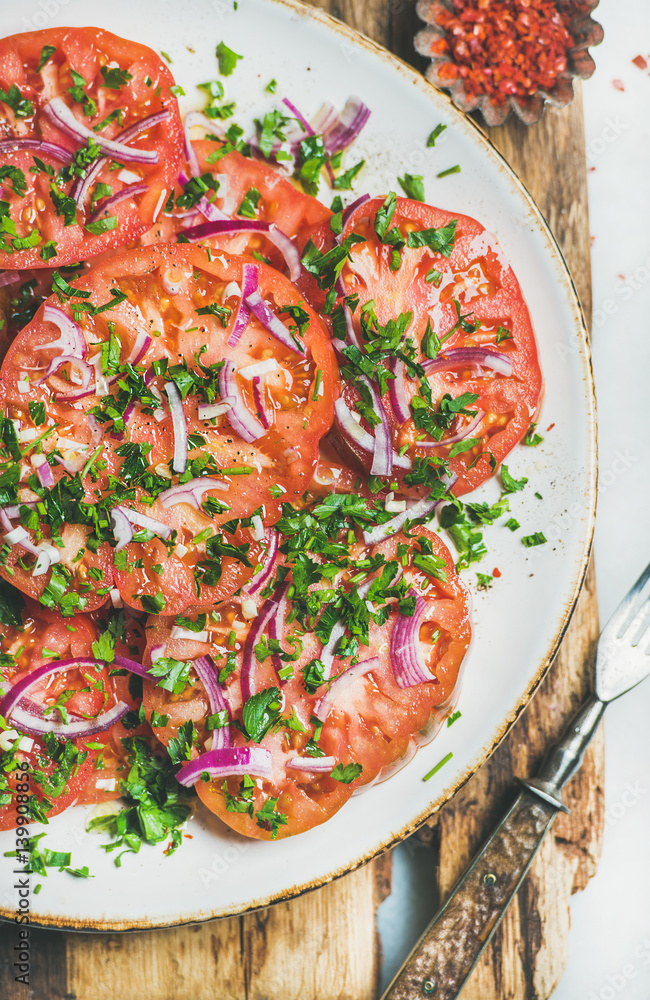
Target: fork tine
640 623
632 604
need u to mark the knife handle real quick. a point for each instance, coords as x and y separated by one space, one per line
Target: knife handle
452 944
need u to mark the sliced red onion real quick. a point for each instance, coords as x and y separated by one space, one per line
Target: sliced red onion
406 657
38 724
190 492
465 432
209 677
63 117
396 391
190 153
122 528
179 424
466 356
382 462
266 418
9 278
342 132
325 704
249 661
21 687
272 323
58 362
249 283
351 209
225 226
260 580
142 344
227 762
143 521
241 419
301 118
325 118
328 651
14 511
82 185
45 148
354 433
319 765
71 341
276 626
353 337
127 192
70 465
389 528
45 476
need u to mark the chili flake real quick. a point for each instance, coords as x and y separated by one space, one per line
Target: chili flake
504 47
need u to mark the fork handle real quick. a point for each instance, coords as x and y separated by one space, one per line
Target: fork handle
451 946
565 757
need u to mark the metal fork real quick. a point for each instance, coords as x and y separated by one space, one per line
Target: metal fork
446 954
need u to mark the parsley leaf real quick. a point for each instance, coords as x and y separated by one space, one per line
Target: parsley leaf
413 186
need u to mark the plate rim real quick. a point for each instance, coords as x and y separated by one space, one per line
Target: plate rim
591 463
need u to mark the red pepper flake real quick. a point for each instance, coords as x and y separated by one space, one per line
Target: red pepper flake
640 62
550 428
496 572
618 84
505 48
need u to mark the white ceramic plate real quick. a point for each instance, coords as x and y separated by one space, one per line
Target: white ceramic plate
519 622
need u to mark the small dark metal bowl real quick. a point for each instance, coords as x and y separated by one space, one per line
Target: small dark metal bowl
580 65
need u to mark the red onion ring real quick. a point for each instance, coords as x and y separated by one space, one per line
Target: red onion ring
249 283
179 425
354 433
460 356
226 762
239 416
207 209
63 117
325 704
301 118
38 725
396 391
266 418
209 677
143 521
190 492
122 528
389 528
351 209
406 655
46 148
269 610
226 226
71 341
273 323
127 192
382 462
320 765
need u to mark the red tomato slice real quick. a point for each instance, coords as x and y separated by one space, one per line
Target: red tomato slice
45 636
280 202
372 722
109 85
474 284
34 786
19 302
134 465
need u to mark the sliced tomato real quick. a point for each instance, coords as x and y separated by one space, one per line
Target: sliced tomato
19 302
45 636
32 782
372 722
109 85
280 202
159 293
470 298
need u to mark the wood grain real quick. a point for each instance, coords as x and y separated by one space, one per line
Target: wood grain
324 946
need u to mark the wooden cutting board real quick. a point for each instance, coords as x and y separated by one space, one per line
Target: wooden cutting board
324 945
